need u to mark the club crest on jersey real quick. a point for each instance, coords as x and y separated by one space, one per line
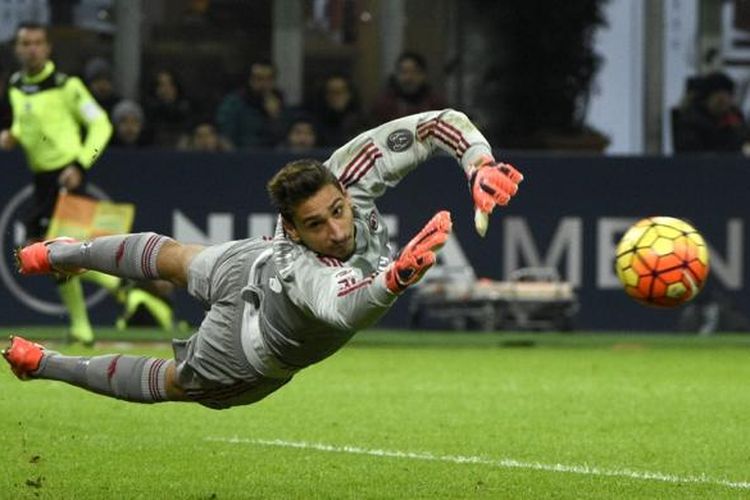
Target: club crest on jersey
372 221
400 140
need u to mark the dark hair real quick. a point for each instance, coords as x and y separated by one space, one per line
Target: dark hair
31 25
321 102
154 82
414 57
338 76
296 182
693 84
715 82
200 119
300 117
262 61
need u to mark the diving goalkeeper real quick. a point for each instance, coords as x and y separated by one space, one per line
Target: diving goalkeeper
276 305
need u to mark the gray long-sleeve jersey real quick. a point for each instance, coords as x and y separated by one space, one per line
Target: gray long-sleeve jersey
302 307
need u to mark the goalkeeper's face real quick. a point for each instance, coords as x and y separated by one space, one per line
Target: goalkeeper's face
324 223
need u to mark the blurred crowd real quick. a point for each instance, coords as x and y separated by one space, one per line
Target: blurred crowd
709 118
256 114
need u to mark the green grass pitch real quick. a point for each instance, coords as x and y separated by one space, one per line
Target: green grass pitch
409 415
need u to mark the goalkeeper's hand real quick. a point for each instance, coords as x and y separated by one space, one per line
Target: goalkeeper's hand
491 184
419 254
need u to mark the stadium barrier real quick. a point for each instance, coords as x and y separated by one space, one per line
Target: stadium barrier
568 216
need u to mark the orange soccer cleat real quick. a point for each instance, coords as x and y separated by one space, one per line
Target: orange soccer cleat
23 356
34 259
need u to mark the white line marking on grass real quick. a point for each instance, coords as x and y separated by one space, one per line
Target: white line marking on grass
506 463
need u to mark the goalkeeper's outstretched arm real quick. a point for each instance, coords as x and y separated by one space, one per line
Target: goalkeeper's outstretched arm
379 158
335 297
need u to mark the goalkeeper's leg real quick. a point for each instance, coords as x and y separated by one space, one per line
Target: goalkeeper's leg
131 378
138 256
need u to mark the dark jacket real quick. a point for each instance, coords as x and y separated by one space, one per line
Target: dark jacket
393 103
168 120
695 129
335 128
243 120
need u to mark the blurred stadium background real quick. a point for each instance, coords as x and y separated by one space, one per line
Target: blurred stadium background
582 99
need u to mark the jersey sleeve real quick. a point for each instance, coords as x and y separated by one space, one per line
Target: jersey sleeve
92 116
379 158
336 296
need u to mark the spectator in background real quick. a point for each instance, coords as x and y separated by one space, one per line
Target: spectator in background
51 110
168 111
337 112
709 119
301 135
98 75
204 136
407 91
130 126
253 116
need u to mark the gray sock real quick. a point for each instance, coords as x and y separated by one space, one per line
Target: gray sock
128 256
132 378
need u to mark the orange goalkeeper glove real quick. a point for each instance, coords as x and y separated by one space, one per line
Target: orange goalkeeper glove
491 184
419 254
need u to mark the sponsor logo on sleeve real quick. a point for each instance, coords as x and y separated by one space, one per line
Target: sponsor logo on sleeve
400 140
372 221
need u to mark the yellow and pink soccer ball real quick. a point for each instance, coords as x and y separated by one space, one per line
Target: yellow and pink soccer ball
662 261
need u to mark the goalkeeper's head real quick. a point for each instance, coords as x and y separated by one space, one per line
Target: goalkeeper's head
315 209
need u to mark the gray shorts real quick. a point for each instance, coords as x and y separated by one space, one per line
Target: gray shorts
211 366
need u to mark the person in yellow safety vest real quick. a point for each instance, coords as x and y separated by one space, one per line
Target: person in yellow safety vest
49 110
